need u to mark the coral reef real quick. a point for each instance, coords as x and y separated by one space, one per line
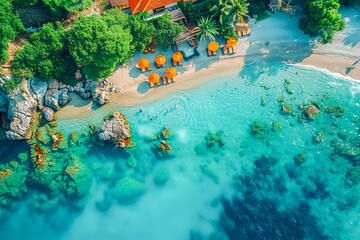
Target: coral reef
318 137
337 110
161 176
127 190
300 158
213 143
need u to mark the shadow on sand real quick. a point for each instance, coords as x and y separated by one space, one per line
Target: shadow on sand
143 87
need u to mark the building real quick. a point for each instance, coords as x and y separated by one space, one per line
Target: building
151 6
122 4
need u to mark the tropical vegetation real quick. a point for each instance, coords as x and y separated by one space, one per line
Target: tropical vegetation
207 28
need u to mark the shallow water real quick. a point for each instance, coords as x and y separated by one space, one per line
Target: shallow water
230 192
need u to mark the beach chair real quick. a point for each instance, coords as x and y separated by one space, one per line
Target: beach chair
234 49
179 63
146 50
158 65
149 68
169 80
249 31
174 62
152 49
231 50
196 43
158 83
209 52
143 70
214 53
164 79
243 33
164 65
151 84
174 80
225 49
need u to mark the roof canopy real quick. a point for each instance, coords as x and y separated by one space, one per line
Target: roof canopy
147 5
117 3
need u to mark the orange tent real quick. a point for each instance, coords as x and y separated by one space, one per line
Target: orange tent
177 56
160 59
171 72
213 46
232 42
143 63
154 78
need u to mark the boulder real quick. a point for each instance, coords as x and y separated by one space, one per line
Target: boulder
20 113
100 97
48 114
78 86
52 99
62 86
115 130
3 101
89 86
64 97
53 84
85 95
38 87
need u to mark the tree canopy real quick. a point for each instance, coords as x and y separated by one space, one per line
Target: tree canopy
68 5
322 18
167 31
10 25
46 56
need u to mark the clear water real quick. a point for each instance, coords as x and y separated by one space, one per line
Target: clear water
227 194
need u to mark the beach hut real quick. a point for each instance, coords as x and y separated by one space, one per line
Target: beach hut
154 78
212 48
232 42
177 57
171 74
143 63
160 60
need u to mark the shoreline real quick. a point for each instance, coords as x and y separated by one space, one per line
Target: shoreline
228 67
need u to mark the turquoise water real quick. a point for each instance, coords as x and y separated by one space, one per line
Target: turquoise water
248 189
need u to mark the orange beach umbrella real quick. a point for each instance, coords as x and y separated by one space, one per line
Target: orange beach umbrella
154 78
171 72
143 63
177 56
232 42
160 59
213 46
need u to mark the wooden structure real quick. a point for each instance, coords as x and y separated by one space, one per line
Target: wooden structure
178 16
121 4
243 29
279 5
186 36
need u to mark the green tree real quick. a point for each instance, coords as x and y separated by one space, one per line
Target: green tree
45 56
322 18
24 3
10 25
222 10
167 32
97 46
68 5
239 10
207 28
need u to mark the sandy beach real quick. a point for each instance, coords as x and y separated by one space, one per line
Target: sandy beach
282 43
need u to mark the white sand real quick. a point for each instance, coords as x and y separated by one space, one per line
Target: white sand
287 44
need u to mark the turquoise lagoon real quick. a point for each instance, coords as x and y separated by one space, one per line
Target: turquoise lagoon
248 189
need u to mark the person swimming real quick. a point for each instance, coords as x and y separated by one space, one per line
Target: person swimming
150 117
176 105
141 110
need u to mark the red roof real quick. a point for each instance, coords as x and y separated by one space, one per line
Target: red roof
147 5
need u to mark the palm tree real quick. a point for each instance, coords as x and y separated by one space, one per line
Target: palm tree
222 9
207 28
239 10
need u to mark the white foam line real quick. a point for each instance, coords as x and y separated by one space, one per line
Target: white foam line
326 71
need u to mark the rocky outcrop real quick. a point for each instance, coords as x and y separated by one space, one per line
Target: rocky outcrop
48 114
99 92
53 84
100 97
52 99
4 101
38 87
116 130
20 113
64 97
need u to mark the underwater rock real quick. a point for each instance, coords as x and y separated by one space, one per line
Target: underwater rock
166 133
80 175
39 88
313 111
339 111
20 114
353 175
300 158
286 109
281 99
343 135
52 99
287 81
264 164
132 162
48 114
128 189
276 126
161 176
213 142
263 101
74 139
318 137
162 150
258 130
116 130
105 203
64 97
53 84
288 90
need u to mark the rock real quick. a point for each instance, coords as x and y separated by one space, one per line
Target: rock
116 130
20 113
62 86
318 137
64 97
85 95
52 99
286 109
89 86
38 87
48 114
78 86
100 97
71 89
4 101
128 189
300 158
53 84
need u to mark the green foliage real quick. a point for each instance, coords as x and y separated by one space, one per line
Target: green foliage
227 31
24 3
10 85
322 18
46 56
10 25
222 10
207 28
350 3
259 8
68 5
167 31
195 12
102 45
239 10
